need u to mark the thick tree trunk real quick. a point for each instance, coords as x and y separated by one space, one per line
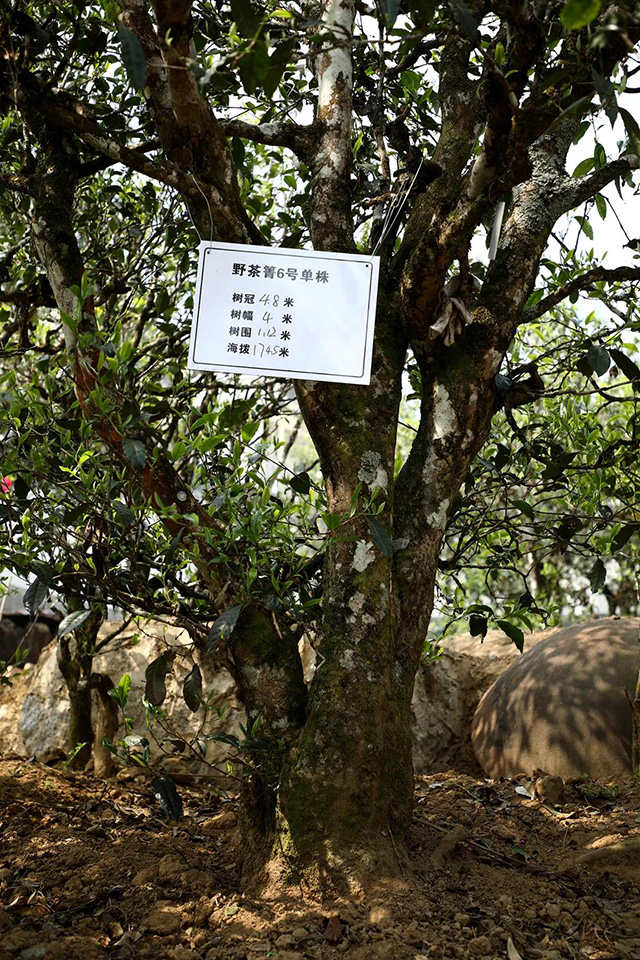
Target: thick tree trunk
344 798
338 815
346 795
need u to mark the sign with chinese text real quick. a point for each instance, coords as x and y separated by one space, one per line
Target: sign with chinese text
289 313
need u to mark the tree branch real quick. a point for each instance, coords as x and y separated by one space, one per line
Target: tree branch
426 253
103 162
536 206
90 133
425 46
17 182
293 136
585 280
584 189
191 136
73 116
331 214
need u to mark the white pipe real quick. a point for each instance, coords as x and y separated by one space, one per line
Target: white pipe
497 227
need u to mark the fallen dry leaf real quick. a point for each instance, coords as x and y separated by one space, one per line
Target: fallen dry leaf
448 844
512 953
333 930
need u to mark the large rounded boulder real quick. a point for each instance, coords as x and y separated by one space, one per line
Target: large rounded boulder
564 706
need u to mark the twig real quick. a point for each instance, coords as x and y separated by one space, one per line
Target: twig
395 849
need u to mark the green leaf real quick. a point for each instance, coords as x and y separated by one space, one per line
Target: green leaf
381 537
583 126
278 62
155 690
222 628
525 508
412 82
601 205
478 625
253 66
21 488
597 576
227 738
246 18
464 18
623 536
192 688
578 13
135 62
301 483
123 512
567 529
121 693
626 365
135 740
72 621
586 227
168 797
135 452
598 359
514 633
584 367
584 167
552 471
234 413
422 12
502 456
607 95
35 595
43 572
249 431
332 520
391 9
520 853
632 128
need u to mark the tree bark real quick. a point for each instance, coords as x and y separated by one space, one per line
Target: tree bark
75 659
106 726
77 676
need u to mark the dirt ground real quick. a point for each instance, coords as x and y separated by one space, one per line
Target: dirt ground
90 869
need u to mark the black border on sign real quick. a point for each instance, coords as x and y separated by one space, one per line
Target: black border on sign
318 255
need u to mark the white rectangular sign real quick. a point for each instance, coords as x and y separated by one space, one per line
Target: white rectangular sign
289 313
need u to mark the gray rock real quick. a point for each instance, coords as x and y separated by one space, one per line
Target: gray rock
562 707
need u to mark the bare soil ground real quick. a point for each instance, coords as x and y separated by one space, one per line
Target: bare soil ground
90 869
